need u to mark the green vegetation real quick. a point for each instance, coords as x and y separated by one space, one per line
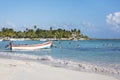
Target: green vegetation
40 33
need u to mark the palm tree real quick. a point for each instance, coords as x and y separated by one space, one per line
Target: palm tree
30 33
35 27
50 33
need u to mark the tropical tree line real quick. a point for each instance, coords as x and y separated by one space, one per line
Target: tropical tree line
41 33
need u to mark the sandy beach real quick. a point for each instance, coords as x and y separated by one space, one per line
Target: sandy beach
29 70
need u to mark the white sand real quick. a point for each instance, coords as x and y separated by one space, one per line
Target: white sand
28 70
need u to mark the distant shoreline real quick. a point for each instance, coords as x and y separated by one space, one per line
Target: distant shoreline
104 38
41 39
52 39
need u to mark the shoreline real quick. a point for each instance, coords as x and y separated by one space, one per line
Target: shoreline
66 64
12 69
41 39
54 39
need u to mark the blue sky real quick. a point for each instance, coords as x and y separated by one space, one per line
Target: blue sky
95 18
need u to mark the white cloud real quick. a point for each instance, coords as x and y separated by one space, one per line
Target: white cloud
113 19
9 24
89 27
87 24
17 27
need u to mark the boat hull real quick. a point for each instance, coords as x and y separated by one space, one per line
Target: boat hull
32 47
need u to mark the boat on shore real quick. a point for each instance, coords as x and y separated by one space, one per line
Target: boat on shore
31 47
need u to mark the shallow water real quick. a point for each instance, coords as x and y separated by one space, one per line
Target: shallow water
101 56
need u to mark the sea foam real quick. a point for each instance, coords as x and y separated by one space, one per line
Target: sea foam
69 64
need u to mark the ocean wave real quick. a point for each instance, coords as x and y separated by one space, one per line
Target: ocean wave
79 66
46 57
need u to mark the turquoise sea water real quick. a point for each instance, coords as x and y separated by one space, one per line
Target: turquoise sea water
100 56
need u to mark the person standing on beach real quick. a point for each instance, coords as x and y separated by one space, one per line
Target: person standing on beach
11 45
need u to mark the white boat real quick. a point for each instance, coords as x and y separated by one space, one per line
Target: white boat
31 47
1 40
43 39
15 39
